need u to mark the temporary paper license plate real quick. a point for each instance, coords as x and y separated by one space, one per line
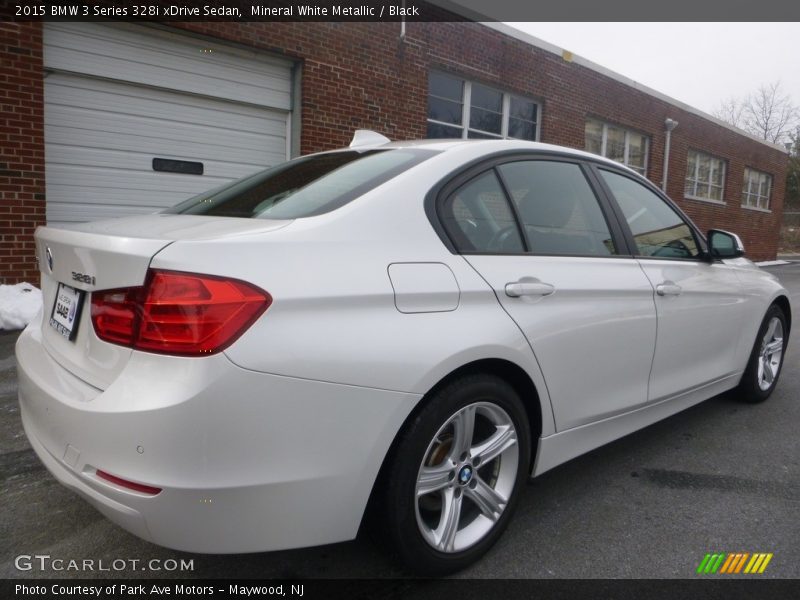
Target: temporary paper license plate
66 311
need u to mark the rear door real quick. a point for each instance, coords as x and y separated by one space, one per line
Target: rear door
538 234
700 303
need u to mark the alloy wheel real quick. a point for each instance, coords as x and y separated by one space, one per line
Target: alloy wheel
466 477
770 355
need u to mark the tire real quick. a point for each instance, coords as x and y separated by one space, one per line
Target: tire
449 494
766 359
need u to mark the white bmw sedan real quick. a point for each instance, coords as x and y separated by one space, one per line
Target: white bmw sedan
416 328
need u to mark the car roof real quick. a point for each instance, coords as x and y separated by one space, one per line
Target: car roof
491 146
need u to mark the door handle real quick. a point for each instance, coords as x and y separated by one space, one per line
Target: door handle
529 288
668 288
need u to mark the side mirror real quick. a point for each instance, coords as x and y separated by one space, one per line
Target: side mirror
724 244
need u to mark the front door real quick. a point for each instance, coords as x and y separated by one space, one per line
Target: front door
699 302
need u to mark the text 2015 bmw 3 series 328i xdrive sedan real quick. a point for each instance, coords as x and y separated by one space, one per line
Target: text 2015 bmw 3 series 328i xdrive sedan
418 327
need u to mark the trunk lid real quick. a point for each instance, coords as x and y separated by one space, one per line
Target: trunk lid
105 255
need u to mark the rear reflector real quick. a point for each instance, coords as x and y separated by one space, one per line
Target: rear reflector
131 485
178 313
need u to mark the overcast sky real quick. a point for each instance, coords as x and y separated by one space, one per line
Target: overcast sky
697 63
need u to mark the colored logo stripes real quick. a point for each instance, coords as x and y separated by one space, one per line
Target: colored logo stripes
734 562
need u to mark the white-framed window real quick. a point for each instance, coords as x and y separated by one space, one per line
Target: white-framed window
617 143
756 189
705 177
459 108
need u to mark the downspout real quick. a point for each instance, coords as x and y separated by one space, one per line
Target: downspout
669 124
403 23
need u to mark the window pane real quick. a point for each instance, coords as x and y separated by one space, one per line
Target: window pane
703 168
478 218
715 193
718 171
436 131
486 98
615 143
764 188
657 229
485 120
558 209
523 130
444 110
637 148
523 109
446 86
691 164
594 136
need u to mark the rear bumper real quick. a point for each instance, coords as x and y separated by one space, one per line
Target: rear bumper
246 461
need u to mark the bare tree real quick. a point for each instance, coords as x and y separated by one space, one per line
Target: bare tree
768 113
731 111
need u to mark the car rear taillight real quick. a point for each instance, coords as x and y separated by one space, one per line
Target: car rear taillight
178 313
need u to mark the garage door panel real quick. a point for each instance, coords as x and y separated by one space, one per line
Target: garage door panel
66 155
137 181
192 149
74 87
187 150
160 59
104 66
163 130
114 102
122 198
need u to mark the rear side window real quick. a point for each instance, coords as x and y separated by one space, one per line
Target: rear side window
478 218
558 209
657 229
304 187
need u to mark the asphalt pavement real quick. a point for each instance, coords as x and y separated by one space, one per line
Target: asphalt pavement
719 477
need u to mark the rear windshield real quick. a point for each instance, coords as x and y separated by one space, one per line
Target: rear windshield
304 187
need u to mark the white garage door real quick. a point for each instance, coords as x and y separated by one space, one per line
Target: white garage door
119 96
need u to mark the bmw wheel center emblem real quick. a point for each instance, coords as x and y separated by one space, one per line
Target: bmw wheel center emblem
465 474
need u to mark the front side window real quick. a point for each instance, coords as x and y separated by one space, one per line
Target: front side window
658 230
458 108
304 187
617 143
705 176
756 189
558 209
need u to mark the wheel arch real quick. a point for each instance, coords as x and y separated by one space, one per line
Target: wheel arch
783 303
509 372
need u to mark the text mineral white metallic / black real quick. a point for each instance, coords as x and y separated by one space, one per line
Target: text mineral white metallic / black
415 327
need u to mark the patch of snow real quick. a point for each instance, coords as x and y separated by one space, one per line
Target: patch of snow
772 263
19 304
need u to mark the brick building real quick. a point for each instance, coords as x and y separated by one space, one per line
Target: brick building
103 120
